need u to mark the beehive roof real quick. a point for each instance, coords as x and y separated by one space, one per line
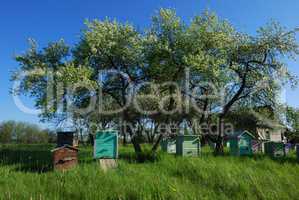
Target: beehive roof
239 134
65 146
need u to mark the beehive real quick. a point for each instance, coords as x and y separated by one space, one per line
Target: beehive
106 145
65 138
288 148
168 145
187 145
241 143
274 149
65 157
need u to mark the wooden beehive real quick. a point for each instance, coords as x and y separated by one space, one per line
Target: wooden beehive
168 145
187 145
65 157
274 149
288 148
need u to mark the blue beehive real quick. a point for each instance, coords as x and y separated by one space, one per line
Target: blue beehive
240 143
106 145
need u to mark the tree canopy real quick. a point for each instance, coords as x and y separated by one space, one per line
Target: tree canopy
173 72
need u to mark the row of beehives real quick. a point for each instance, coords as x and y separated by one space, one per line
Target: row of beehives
240 143
244 143
183 145
65 155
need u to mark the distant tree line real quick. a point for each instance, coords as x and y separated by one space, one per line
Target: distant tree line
292 123
24 133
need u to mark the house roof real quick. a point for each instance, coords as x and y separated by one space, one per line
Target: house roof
270 124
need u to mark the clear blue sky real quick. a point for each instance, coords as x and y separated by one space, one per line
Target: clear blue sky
50 20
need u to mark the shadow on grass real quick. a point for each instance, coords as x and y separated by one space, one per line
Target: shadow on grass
145 157
34 158
27 160
38 158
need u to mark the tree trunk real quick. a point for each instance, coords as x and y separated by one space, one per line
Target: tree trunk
124 139
219 150
123 133
136 144
156 145
81 136
134 140
170 107
149 140
91 139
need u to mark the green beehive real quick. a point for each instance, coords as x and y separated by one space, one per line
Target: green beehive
274 149
168 145
106 145
240 143
188 145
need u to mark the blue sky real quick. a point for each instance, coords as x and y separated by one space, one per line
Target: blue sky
50 20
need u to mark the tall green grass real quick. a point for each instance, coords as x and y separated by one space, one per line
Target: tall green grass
169 177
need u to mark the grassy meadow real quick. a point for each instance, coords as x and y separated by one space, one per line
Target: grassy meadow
26 173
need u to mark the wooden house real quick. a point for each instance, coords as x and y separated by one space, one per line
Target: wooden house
270 134
271 137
